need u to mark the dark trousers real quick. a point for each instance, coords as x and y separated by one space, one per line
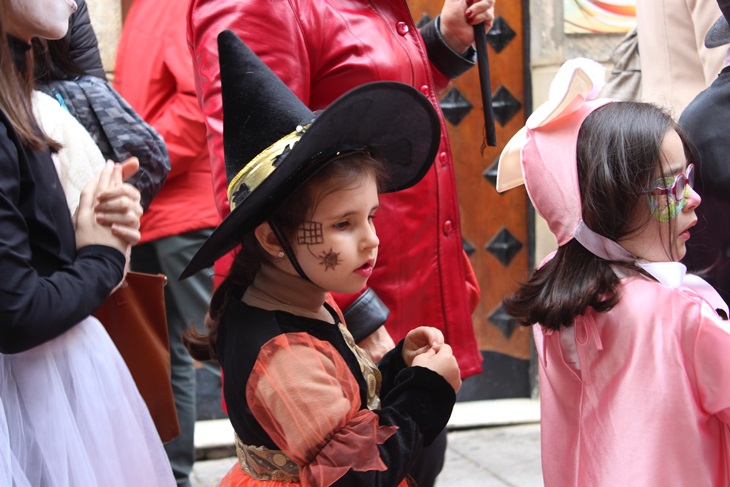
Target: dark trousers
186 303
430 462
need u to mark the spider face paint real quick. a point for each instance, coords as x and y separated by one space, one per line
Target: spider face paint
329 259
310 233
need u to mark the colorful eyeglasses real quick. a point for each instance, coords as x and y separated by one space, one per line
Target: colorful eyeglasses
676 186
664 208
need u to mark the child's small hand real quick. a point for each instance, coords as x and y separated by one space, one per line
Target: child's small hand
420 340
443 362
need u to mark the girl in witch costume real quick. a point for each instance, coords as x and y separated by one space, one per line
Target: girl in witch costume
634 376
307 405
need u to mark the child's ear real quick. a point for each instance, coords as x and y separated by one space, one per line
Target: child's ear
267 239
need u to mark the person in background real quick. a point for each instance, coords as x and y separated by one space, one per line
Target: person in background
153 72
70 413
634 376
321 50
705 120
83 44
675 63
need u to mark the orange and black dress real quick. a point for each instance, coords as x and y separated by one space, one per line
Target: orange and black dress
308 406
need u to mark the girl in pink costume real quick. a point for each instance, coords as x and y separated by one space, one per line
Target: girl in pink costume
634 376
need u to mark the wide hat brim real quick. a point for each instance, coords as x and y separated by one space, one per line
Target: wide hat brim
719 34
391 121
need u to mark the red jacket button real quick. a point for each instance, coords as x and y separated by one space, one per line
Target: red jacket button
448 227
424 89
443 158
402 28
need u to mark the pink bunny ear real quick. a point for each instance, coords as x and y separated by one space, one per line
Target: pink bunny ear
577 80
542 155
573 85
509 169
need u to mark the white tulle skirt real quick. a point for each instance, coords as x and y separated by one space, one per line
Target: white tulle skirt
71 416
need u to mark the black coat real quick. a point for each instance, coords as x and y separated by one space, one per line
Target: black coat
82 42
707 123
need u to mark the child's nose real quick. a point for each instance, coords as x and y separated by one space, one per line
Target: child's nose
694 200
371 238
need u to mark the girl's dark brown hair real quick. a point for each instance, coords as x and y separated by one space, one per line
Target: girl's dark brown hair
619 154
53 60
341 173
17 84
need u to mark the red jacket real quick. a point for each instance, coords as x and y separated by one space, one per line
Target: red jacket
154 73
321 49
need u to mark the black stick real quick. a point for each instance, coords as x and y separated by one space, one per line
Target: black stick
480 40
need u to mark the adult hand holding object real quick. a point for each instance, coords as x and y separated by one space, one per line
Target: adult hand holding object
460 27
458 19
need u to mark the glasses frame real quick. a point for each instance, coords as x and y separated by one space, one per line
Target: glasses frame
687 178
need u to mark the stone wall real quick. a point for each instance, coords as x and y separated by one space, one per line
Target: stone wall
106 17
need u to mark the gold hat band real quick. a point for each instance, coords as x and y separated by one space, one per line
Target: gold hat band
261 166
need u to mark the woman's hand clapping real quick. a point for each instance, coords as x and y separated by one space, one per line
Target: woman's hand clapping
109 209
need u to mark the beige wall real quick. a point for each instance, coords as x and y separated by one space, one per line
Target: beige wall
106 17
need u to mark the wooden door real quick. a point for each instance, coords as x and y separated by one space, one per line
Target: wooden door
494 226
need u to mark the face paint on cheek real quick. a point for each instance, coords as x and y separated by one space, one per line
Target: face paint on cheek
310 233
664 208
329 259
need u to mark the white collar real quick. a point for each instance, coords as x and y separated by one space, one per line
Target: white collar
674 275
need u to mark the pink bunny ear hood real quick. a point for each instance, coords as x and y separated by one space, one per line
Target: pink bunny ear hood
543 155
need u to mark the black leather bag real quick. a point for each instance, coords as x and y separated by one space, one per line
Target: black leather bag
116 128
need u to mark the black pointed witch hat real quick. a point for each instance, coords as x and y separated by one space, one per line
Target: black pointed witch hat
273 143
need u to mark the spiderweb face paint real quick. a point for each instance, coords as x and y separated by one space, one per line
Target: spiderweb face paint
310 233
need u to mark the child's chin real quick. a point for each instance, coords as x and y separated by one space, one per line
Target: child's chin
349 289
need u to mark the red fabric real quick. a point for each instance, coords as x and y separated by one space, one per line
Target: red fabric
155 77
238 478
321 49
328 299
325 437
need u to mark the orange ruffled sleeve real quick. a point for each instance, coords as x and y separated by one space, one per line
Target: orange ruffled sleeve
304 395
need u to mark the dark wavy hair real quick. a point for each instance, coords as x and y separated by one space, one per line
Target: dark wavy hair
341 173
619 155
